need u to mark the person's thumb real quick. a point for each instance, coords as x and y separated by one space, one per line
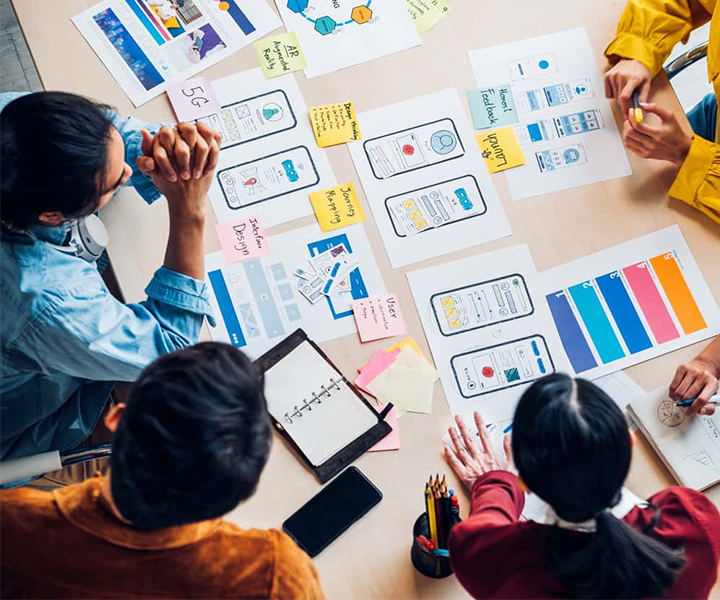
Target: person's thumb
147 141
146 165
664 114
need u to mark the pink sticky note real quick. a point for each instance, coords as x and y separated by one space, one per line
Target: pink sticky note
242 239
193 99
392 440
378 317
378 362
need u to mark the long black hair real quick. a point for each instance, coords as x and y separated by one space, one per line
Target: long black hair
572 448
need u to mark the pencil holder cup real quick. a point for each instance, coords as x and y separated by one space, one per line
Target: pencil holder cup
428 564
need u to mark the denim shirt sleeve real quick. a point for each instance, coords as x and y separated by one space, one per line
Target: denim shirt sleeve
96 337
131 131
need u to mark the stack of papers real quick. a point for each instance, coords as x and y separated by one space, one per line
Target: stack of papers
401 375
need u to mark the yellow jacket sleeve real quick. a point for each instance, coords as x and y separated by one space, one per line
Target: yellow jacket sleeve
649 29
698 181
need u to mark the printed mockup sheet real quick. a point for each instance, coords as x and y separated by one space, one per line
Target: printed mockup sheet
425 180
150 44
342 33
489 331
566 126
258 302
269 161
630 303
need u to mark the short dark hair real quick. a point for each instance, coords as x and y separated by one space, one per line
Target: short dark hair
572 447
193 439
54 154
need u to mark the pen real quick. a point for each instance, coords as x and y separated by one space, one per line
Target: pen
638 111
683 403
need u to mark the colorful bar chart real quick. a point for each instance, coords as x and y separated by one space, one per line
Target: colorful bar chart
678 293
651 302
625 312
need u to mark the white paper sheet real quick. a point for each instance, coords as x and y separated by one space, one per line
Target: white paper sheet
257 301
269 161
343 33
621 388
566 126
321 423
425 180
148 45
688 444
630 303
489 330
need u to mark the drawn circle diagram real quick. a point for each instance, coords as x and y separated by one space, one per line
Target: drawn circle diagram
443 141
669 414
272 112
326 24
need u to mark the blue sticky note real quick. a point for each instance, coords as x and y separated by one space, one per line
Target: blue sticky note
492 107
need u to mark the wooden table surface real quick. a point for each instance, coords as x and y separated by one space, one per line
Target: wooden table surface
372 559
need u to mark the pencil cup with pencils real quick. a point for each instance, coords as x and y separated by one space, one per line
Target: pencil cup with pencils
429 553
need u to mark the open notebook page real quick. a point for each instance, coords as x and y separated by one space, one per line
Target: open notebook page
688 444
325 427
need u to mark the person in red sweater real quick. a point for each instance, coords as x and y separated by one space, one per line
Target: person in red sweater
571 445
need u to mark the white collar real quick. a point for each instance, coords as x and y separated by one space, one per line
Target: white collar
628 501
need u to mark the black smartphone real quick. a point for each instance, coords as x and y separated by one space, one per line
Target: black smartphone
324 517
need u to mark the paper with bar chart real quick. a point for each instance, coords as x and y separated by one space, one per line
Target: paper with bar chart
630 303
489 331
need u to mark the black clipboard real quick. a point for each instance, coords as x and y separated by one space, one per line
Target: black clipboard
353 450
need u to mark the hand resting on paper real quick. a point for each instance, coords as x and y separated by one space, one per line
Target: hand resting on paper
698 379
470 459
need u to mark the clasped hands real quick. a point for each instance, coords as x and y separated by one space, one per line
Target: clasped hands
664 141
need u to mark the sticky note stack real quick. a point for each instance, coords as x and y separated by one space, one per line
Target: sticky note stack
401 375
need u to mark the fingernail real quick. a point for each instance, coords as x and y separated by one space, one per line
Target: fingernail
172 178
197 174
186 174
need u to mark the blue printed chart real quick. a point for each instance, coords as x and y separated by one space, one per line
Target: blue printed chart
489 330
641 299
342 33
150 44
258 302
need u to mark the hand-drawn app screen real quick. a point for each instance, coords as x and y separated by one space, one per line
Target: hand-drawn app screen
268 177
413 148
535 66
253 118
482 304
554 95
434 206
560 127
561 158
503 366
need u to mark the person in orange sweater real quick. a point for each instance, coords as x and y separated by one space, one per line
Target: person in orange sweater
571 445
647 32
189 446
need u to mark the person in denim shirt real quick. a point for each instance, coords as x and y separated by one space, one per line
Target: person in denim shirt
65 339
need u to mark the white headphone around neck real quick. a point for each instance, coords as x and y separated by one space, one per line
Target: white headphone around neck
88 239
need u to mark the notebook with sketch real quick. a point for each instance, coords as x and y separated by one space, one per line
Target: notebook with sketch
689 445
316 408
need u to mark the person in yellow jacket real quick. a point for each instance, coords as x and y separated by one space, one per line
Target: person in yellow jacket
647 32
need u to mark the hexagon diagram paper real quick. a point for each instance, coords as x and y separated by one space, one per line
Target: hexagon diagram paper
335 34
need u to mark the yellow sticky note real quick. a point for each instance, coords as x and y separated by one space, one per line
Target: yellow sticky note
425 13
500 149
337 207
280 54
407 343
334 124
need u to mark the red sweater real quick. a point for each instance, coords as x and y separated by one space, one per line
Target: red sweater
495 555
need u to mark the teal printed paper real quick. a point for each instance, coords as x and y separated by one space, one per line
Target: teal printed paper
492 107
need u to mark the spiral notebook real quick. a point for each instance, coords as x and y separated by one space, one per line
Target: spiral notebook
313 405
